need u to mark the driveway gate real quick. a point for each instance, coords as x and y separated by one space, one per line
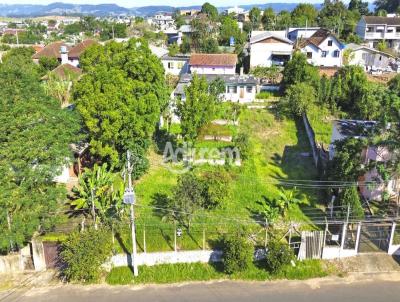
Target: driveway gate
374 237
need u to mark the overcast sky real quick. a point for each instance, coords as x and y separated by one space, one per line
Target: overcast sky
134 3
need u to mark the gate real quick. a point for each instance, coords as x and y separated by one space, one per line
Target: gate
311 245
51 254
374 237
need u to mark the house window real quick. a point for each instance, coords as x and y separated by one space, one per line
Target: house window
324 54
170 65
380 58
232 89
180 65
249 89
330 43
364 56
398 29
336 54
309 55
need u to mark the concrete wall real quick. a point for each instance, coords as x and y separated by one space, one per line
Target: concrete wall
335 252
261 53
150 259
11 264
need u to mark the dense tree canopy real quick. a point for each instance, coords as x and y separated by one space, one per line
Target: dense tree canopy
210 10
120 97
34 137
304 14
390 6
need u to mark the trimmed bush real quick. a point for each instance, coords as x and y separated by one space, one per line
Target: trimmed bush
237 253
279 255
84 253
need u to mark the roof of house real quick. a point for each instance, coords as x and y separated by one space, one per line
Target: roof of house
37 48
178 57
317 38
51 50
376 20
78 49
261 36
197 59
352 128
356 47
65 72
237 80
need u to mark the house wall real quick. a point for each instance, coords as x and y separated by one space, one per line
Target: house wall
328 61
202 69
175 67
360 29
241 95
369 59
261 53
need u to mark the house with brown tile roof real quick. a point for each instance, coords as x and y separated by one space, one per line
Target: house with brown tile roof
322 49
213 63
65 72
63 52
374 29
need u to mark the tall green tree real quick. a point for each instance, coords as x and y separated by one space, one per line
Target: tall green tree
298 70
390 6
120 97
299 97
304 14
229 28
255 17
210 10
269 19
34 137
359 6
197 109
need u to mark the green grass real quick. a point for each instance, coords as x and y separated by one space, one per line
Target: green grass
276 147
321 121
174 273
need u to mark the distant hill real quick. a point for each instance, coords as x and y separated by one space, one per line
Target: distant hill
100 10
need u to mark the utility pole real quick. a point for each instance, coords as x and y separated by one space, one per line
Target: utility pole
129 198
93 209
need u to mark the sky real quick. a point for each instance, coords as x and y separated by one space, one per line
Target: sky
135 3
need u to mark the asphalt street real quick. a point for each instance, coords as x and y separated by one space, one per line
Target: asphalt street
308 291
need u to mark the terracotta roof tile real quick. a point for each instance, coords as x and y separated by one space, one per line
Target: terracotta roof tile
78 49
65 72
52 51
213 59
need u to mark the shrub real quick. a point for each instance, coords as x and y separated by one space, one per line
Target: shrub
237 253
84 253
242 142
216 184
264 95
350 196
279 255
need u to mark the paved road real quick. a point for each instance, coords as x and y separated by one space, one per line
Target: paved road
309 291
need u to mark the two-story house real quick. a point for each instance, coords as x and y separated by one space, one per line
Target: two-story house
238 87
322 49
374 29
175 65
269 48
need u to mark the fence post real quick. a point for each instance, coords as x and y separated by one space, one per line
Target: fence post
144 238
392 236
358 237
343 238
175 238
204 239
266 232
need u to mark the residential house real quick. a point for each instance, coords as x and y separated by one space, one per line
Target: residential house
220 64
296 33
322 49
269 48
368 58
238 88
175 65
371 184
176 35
374 29
163 21
63 52
76 51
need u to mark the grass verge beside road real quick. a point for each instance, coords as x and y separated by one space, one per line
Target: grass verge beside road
183 272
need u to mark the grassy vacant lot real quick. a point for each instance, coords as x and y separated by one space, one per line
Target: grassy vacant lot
173 273
321 121
277 152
